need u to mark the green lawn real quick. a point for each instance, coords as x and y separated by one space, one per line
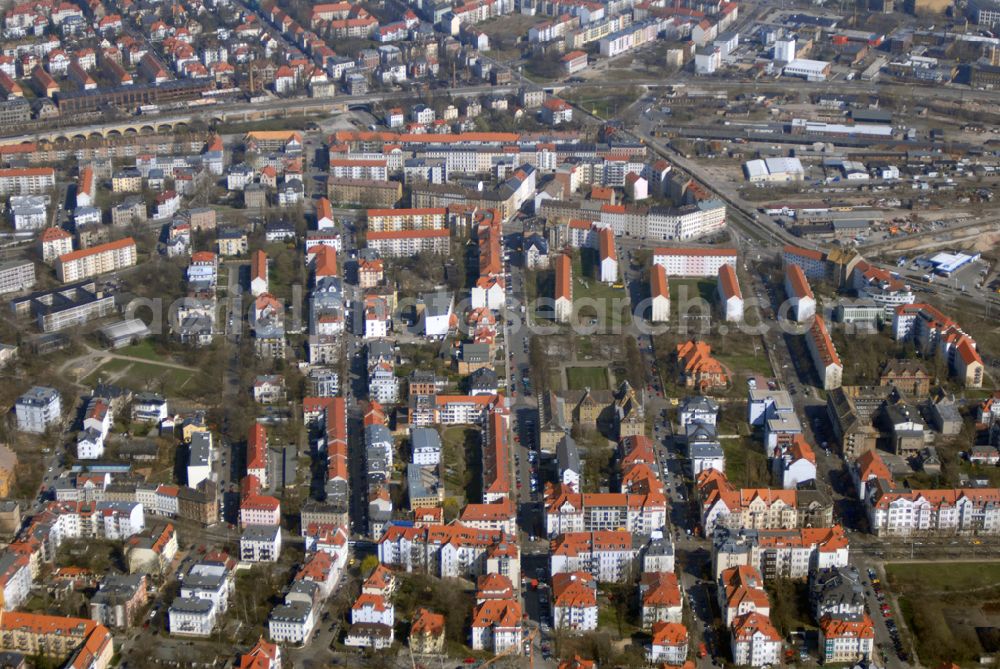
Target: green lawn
944 604
748 363
555 380
595 378
455 472
746 466
610 305
142 376
143 349
683 290
911 578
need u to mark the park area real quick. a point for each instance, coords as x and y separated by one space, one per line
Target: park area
142 376
952 609
609 306
595 378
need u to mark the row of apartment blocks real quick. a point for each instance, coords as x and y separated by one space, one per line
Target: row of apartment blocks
640 507
878 292
197 504
662 223
938 335
724 505
770 542
895 510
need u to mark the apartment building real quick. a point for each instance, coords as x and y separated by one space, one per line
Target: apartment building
450 551
563 294
901 512
936 334
15 579
837 593
37 409
693 261
292 622
26 180
660 598
84 263
84 643
55 242
780 553
119 600
492 516
800 295
659 290
403 243
879 286
812 263
260 543
669 645
359 169
730 295
609 556
256 508
755 642
723 505
496 483
206 588
496 626
257 453
698 368
16 275
396 220
86 187
661 223
824 354
846 640
574 602
427 632
258 273
567 511
741 591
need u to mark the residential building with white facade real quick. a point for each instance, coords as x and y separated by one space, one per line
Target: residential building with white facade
693 261
100 259
37 409
730 295
800 294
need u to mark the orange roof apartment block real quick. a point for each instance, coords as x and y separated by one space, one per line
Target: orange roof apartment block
258 273
563 294
824 354
426 632
100 259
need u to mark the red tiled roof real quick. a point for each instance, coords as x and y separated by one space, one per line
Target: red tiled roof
564 277
100 248
728 282
658 282
798 283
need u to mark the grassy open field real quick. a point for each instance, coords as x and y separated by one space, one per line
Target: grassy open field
682 290
139 376
603 100
143 349
952 609
458 472
611 303
746 464
595 378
